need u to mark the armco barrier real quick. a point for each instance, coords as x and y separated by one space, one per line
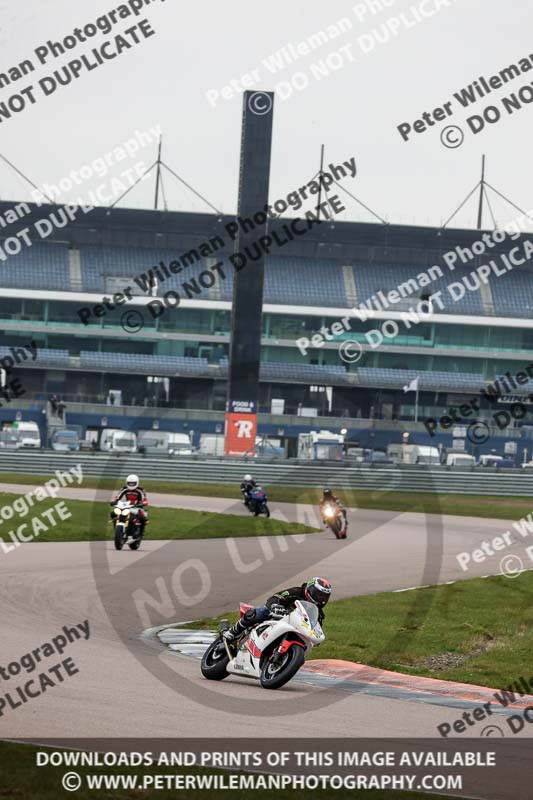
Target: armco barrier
284 473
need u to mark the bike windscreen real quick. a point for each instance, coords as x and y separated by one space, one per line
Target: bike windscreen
312 612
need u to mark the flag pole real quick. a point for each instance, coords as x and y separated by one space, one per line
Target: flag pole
416 403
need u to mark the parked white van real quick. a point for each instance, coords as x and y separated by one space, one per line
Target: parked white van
413 454
114 440
28 434
460 460
65 440
169 443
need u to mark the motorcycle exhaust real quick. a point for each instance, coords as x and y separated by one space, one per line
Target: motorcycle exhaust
223 626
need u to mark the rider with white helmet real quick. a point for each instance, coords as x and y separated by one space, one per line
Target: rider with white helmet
136 495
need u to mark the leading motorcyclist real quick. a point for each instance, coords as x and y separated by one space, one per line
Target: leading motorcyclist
316 590
328 498
136 495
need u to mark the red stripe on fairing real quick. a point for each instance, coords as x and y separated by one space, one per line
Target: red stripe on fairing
254 650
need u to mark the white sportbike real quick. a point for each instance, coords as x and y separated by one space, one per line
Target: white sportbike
271 652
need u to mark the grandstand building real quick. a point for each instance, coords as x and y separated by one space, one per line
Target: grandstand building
74 293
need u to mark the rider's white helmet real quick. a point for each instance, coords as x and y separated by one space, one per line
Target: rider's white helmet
132 481
248 477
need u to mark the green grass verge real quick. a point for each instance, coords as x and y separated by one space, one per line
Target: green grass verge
464 505
90 522
21 779
477 631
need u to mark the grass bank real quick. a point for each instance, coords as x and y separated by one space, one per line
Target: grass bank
90 522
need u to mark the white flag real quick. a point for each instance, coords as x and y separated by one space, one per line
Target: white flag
411 387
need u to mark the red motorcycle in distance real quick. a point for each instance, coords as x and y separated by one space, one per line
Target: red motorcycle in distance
334 519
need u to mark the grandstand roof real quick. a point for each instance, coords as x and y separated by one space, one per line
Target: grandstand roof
172 229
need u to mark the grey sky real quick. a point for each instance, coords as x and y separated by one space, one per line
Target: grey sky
202 46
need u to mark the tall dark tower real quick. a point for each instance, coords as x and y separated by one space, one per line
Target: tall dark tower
245 341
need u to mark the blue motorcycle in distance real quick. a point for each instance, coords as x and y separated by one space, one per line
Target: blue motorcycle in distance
257 502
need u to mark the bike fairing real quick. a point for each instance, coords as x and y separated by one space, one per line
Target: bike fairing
256 502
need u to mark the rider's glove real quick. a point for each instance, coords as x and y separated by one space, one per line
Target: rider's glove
277 611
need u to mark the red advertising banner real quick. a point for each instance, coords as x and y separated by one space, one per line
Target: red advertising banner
240 430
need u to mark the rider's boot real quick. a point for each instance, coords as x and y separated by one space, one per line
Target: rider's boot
235 631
